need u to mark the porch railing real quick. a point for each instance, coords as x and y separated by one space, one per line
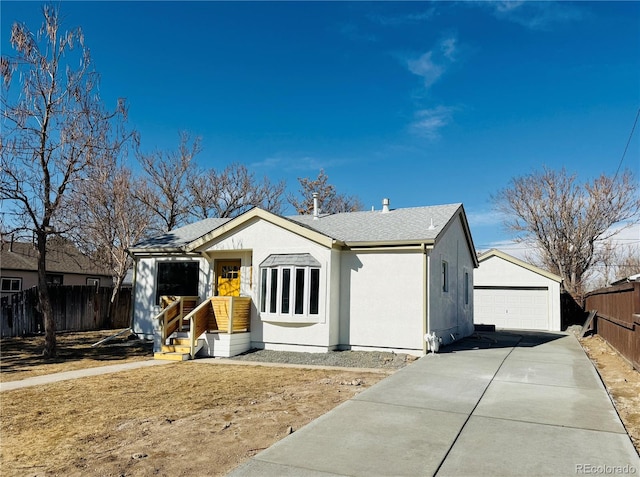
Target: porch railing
174 311
226 314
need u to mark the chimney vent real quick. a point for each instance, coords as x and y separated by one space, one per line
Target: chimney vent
315 206
385 206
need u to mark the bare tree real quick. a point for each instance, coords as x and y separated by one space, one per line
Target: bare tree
54 126
232 192
109 219
330 202
566 220
166 188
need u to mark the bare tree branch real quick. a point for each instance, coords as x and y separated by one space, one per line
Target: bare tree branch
330 201
54 127
567 220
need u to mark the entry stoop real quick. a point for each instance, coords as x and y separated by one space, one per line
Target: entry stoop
179 349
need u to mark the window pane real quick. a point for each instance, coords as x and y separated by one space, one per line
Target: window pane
263 290
299 292
445 276
273 293
286 286
177 278
314 291
466 288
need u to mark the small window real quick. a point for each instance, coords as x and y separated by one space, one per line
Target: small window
54 279
93 282
445 276
286 290
273 293
299 301
11 284
263 290
314 290
466 288
230 272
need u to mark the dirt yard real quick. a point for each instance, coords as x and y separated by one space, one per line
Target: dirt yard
188 418
621 380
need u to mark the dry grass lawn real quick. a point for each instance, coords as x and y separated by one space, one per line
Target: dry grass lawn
189 418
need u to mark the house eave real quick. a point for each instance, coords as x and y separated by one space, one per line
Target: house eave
516 261
274 219
398 245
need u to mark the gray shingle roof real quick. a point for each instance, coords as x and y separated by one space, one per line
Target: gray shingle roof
60 259
181 236
397 225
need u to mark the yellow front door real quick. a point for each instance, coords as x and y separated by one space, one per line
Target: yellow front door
228 277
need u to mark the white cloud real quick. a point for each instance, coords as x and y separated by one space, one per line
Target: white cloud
536 15
426 68
430 66
429 122
293 163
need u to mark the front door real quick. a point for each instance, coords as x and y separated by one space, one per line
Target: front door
228 277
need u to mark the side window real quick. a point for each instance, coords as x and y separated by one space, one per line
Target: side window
55 279
466 287
445 276
93 282
11 284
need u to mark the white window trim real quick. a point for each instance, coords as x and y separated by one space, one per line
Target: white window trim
11 280
291 316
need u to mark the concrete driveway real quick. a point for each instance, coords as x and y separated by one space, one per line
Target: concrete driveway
497 404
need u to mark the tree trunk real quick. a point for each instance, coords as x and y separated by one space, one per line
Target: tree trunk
44 299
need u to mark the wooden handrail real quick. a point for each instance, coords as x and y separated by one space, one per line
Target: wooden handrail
198 323
172 314
171 317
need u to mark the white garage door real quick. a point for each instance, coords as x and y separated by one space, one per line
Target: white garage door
516 308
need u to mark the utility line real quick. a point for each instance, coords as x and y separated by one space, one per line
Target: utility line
627 146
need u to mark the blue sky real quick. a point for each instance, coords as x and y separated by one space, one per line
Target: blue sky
423 103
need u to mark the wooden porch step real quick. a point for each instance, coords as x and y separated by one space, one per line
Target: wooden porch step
170 348
172 356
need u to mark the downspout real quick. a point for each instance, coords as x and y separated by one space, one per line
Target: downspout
426 325
133 292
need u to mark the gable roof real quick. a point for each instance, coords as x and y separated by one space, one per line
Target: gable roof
415 224
509 258
397 227
61 258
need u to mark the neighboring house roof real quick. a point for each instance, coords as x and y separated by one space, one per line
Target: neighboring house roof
416 225
632 278
509 258
61 258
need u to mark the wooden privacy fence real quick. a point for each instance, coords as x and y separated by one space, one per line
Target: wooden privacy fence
618 318
75 308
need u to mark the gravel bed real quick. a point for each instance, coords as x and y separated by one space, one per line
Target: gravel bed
346 359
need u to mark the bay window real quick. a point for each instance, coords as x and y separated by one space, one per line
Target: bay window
290 286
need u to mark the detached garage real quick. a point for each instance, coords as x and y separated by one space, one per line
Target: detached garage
510 293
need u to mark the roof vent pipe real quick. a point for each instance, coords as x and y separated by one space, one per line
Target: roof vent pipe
315 206
385 205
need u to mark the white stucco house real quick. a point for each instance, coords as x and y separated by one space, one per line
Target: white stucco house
371 280
510 293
